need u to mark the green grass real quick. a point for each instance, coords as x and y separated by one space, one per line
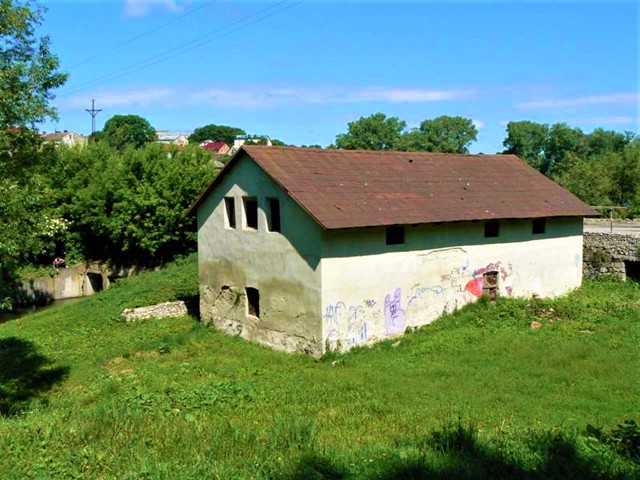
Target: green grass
478 394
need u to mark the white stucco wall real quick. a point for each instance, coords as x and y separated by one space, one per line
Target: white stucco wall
371 291
284 266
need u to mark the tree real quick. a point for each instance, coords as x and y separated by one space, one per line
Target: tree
28 74
442 134
376 132
213 132
140 217
561 141
527 140
600 141
122 131
29 71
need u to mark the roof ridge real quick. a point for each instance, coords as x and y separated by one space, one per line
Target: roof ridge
374 152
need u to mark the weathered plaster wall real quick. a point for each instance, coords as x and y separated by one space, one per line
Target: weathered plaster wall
372 291
284 267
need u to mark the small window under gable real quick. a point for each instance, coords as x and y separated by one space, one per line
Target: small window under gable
274 215
395 235
538 226
491 229
230 212
251 212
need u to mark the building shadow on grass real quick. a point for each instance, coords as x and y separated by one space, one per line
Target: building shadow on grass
25 375
458 455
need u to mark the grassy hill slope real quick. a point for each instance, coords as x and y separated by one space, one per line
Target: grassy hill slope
478 394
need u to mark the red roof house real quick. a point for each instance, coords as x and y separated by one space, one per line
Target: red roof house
219 147
308 249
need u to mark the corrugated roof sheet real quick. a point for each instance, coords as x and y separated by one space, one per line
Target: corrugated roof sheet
359 188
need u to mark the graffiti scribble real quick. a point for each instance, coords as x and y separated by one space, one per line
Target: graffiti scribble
394 314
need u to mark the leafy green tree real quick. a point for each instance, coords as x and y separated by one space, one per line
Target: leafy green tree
527 140
278 143
29 71
600 141
122 131
28 75
442 134
588 178
375 132
129 206
625 176
213 132
561 141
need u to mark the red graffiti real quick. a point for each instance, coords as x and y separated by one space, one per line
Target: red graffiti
492 267
474 287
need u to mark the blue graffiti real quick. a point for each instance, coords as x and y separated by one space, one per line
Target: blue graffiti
418 292
332 312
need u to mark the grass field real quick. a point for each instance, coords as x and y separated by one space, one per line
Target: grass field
478 394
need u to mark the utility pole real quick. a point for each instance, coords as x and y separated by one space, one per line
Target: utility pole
93 112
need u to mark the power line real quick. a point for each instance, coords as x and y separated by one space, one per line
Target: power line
142 35
188 46
133 66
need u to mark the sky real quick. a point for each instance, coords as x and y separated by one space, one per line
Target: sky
300 71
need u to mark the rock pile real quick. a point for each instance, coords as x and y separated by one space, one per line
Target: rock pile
161 310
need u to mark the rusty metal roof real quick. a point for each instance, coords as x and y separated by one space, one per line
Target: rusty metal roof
362 188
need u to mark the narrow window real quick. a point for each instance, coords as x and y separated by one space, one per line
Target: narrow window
230 210
253 302
251 213
538 226
491 229
274 215
395 235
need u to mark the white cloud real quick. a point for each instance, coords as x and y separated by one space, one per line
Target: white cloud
124 98
614 120
618 98
256 97
141 8
398 95
260 96
479 124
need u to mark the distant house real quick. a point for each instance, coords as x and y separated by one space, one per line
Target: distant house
314 250
241 140
175 138
218 147
65 137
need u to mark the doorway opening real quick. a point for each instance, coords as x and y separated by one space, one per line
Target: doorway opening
253 302
490 285
632 269
96 281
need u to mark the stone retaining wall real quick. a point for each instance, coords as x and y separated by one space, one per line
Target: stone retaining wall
606 254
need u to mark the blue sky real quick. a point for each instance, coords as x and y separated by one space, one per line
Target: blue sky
299 71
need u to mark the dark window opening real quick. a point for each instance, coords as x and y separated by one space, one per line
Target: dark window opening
230 209
395 235
538 226
274 215
251 213
491 229
253 302
490 285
